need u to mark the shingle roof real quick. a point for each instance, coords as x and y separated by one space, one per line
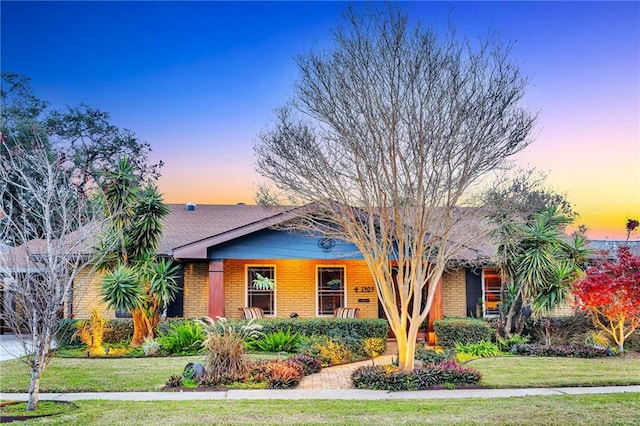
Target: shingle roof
184 226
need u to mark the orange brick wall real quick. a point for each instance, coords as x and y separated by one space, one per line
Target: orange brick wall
454 293
295 289
196 290
86 296
296 286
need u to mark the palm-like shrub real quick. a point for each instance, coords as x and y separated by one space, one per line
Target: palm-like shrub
183 338
278 341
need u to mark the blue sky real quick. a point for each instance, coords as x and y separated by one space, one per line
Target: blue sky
199 80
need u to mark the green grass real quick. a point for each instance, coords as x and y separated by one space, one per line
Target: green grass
45 408
527 372
150 374
617 409
100 374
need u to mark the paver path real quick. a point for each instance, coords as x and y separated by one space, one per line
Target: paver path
339 376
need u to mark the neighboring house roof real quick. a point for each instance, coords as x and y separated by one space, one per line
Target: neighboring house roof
611 246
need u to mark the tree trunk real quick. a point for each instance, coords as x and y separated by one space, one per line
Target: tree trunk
140 327
620 338
34 389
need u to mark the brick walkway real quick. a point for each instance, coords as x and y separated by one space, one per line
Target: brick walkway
339 376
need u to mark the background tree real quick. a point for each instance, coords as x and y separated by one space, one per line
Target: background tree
632 225
52 236
135 279
610 293
82 137
386 130
538 264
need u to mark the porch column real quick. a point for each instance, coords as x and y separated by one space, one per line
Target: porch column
216 288
436 311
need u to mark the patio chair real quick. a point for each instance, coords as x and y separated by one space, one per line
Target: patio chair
346 313
251 313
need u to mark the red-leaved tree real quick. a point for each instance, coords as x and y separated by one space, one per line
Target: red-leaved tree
610 292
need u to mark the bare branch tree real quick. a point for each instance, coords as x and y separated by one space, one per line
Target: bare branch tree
385 133
53 232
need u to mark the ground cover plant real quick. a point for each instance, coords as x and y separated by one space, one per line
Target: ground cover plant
597 410
388 377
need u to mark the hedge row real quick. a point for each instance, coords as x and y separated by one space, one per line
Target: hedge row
331 327
116 331
452 331
121 330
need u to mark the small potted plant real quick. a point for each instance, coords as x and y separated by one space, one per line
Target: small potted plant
334 284
263 283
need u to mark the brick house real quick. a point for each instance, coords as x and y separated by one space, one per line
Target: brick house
222 248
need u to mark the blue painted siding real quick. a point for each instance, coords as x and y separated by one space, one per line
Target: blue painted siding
270 244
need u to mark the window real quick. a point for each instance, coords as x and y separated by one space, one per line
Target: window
331 287
258 295
490 292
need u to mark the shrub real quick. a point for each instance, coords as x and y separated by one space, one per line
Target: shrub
326 350
449 371
430 356
374 346
571 330
516 339
278 341
175 381
66 333
278 374
150 346
450 331
559 351
284 375
333 327
480 349
309 365
382 377
119 330
183 338
633 342
390 378
225 359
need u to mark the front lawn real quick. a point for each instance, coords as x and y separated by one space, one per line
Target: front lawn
99 374
528 372
150 374
619 409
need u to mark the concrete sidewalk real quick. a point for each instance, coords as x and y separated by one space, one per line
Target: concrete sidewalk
342 394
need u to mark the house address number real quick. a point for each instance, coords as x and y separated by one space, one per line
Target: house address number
364 289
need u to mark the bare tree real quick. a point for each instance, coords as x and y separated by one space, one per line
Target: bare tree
52 231
385 132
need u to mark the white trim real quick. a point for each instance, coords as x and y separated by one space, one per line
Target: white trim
275 288
344 294
484 297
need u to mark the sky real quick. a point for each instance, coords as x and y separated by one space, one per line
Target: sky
200 80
